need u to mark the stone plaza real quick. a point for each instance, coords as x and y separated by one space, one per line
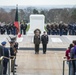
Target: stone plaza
49 64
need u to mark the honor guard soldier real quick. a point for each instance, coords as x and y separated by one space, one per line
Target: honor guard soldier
5 54
61 28
2 29
24 28
12 54
13 51
48 29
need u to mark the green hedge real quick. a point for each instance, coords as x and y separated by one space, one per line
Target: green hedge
28 27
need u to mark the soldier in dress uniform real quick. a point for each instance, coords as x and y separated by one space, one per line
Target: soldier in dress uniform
61 28
2 29
24 28
21 28
53 29
75 29
6 54
12 54
13 51
37 33
70 29
15 46
56 29
48 29
14 29
65 29
7 29
44 39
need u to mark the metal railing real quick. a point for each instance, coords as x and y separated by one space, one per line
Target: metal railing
8 65
1 66
64 60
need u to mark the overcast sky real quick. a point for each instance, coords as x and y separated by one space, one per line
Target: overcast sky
36 2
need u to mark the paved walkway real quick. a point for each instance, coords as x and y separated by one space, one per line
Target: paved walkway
40 64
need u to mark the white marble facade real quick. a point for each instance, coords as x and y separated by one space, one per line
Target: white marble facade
36 21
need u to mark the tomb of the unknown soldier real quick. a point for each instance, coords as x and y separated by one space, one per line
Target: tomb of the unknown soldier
36 22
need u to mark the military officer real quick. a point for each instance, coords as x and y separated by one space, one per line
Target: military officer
37 40
44 39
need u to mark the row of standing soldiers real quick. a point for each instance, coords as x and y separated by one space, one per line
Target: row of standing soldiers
61 29
11 29
9 53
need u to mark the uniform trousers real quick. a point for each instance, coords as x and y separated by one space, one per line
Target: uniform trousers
44 48
36 48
